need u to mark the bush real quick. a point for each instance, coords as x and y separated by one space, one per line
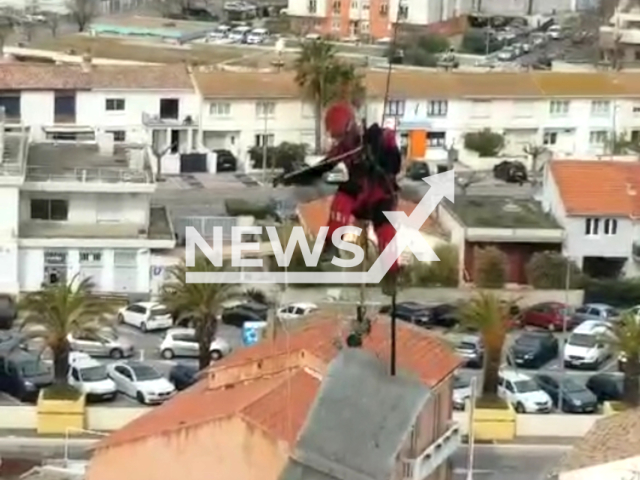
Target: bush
485 142
475 42
490 268
435 274
548 270
420 51
61 392
286 156
236 207
618 293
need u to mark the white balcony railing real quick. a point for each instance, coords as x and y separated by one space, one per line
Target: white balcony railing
434 455
88 175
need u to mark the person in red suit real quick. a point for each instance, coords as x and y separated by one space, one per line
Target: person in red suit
373 161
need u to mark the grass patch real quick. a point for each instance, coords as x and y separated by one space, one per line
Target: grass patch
492 403
61 392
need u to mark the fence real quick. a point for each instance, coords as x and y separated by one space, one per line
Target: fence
204 226
95 175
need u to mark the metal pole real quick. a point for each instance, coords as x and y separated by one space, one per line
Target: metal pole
265 147
393 335
564 332
471 434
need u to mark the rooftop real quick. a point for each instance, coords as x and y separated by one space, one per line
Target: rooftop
612 438
159 228
70 162
604 188
500 212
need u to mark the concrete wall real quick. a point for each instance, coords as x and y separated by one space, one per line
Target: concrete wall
20 417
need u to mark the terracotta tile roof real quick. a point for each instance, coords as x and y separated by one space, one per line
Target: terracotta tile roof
225 84
598 187
612 438
574 84
25 76
313 215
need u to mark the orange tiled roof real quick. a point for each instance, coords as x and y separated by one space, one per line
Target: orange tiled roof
598 188
315 214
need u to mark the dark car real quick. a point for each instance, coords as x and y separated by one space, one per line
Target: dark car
606 387
417 170
533 349
510 172
412 312
225 161
444 315
548 315
576 398
183 376
236 316
23 375
471 349
8 311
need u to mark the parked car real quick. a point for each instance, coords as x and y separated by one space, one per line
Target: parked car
471 349
461 392
101 344
257 36
237 316
90 377
296 311
225 161
606 387
444 315
23 374
523 393
576 398
183 376
146 316
533 349
585 347
412 312
510 172
555 32
141 381
239 34
8 311
506 54
182 342
594 311
417 171
549 315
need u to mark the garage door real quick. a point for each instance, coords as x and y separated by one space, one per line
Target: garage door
125 271
193 163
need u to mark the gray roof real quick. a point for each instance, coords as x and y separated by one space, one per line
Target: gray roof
358 421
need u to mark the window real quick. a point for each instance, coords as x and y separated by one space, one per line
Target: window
336 6
591 226
635 109
394 108
600 108
74 374
11 103
114 105
169 108
598 137
403 12
265 109
559 108
71 136
550 138
610 226
354 4
90 257
335 24
118 135
384 9
64 107
312 6
365 5
49 209
635 136
436 139
261 138
220 109
437 108
364 26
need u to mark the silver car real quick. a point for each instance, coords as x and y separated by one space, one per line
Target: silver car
182 342
102 344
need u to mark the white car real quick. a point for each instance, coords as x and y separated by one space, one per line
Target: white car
90 377
555 32
586 348
239 34
141 381
461 392
257 36
295 311
146 316
182 342
523 393
101 344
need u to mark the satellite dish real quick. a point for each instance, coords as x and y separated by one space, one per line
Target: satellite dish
280 46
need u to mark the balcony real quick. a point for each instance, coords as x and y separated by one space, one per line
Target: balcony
155 120
88 175
433 456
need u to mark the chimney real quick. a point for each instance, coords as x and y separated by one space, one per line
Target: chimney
86 62
106 144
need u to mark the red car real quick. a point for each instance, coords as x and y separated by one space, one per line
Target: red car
548 315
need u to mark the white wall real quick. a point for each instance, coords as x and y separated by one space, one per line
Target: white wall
619 470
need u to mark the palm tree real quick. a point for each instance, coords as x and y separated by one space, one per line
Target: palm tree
60 310
486 313
323 79
624 337
200 302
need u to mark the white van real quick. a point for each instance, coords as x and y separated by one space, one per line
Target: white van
585 347
239 34
90 377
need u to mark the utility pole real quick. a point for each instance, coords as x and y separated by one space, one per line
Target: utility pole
565 318
265 143
471 434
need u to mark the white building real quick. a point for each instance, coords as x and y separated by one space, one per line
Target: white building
78 209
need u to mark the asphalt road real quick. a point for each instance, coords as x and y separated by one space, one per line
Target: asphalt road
508 462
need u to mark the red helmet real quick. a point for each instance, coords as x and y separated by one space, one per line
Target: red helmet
339 118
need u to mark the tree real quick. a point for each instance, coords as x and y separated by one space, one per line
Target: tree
548 270
200 302
624 336
535 152
486 313
465 182
490 267
53 22
485 142
323 79
421 51
286 156
480 42
62 309
444 273
83 12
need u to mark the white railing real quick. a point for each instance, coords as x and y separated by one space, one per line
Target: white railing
154 119
88 175
434 455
